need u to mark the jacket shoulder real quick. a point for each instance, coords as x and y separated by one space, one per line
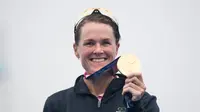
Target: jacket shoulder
58 100
61 94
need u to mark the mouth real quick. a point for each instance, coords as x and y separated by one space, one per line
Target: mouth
98 59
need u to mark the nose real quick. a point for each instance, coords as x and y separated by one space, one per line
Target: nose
98 49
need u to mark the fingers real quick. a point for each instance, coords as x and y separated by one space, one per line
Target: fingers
133 88
136 81
138 75
134 84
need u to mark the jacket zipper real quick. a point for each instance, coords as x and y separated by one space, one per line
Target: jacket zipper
99 104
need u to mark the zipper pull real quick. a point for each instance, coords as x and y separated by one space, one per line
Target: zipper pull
99 103
99 100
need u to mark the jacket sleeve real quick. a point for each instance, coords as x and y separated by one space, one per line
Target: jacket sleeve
146 104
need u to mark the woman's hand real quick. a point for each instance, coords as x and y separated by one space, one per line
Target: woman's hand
135 85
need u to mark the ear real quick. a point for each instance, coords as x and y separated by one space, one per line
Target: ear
76 50
117 47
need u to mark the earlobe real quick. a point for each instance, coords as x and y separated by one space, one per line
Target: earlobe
118 45
77 55
75 50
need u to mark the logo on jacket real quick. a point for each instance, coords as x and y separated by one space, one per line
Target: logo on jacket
121 109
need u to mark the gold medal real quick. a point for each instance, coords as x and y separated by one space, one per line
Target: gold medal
128 64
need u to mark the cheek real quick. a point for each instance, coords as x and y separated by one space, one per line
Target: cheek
113 50
110 52
85 52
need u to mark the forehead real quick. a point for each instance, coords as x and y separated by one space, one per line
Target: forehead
92 29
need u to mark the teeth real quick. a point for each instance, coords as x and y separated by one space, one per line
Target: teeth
98 60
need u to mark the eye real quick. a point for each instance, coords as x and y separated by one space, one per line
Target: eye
106 43
90 43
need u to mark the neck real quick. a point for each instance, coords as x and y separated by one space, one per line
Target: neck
99 86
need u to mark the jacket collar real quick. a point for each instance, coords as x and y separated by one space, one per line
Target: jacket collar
115 85
80 86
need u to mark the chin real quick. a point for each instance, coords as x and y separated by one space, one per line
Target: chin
94 70
96 67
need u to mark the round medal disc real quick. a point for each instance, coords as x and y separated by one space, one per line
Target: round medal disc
128 64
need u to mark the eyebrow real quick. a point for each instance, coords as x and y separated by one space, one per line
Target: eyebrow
88 40
105 39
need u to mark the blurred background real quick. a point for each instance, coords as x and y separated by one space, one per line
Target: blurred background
37 58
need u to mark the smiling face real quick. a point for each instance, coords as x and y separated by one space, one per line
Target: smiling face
97 46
